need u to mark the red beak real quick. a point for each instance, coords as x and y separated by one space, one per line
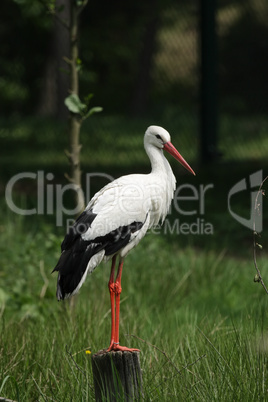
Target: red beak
173 151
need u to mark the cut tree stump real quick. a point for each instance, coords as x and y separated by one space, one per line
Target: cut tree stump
117 376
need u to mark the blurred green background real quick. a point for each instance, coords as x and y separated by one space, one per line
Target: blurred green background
142 62
145 64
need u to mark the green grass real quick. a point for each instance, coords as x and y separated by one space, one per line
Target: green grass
188 302
200 309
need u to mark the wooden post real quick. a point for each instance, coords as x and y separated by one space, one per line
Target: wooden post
117 376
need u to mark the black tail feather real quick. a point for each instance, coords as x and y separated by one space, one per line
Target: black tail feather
72 266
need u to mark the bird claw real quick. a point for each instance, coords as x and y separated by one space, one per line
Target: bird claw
115 347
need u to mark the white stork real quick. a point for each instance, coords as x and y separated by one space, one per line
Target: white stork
115 220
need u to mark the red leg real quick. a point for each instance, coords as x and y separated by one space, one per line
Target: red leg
112 294
114 345
118 290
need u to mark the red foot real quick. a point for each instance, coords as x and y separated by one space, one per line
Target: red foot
116 348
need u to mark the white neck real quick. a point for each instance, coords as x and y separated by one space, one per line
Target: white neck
163 176
158 161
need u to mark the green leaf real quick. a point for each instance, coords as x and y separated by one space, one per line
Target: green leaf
74 104
96 109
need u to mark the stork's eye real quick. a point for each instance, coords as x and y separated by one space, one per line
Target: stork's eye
158 137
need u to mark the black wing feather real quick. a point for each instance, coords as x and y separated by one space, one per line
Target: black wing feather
76 252
81 225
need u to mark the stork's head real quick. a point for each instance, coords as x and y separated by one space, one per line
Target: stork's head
160 138
156 136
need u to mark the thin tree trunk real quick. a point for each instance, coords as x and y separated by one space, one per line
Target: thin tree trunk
75 120
65 48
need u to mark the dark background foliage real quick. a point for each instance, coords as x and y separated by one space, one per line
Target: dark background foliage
137 57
